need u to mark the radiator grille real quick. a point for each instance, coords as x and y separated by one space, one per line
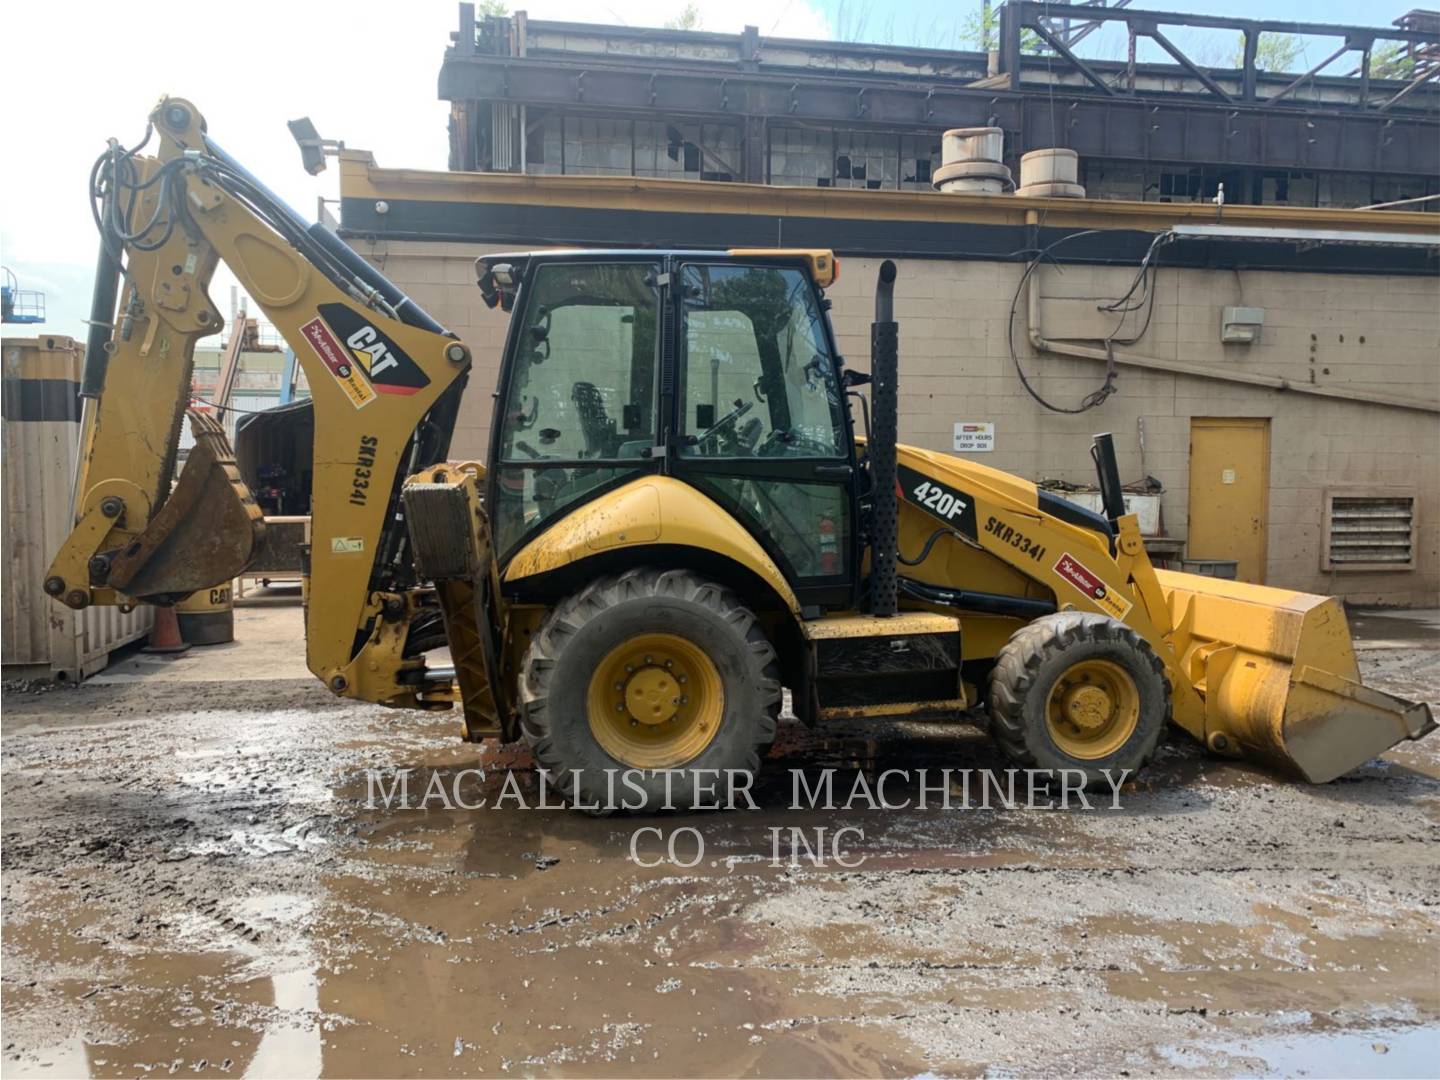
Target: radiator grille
1371 532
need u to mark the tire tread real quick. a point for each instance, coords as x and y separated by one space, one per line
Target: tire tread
1029 647
592 602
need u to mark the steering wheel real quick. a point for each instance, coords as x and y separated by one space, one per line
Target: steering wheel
740 409
782 442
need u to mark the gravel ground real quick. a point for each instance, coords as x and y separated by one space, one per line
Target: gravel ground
193 883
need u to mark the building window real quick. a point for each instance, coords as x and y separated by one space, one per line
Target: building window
802 157
595 146
686 151
1369 531
868 160
919 158
1182 186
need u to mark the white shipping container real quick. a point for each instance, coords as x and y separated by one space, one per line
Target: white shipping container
40 433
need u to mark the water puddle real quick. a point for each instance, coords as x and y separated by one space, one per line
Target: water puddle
1367 1052
1402 630
291 1048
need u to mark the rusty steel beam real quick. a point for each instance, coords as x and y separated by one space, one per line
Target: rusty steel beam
1041 18
1303 79
1415 83
1073 35
1119 128
1030 9
1152 31
1079 65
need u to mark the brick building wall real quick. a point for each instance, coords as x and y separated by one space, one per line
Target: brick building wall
1351 331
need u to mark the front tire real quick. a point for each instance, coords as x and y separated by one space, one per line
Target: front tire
638 686
1076 690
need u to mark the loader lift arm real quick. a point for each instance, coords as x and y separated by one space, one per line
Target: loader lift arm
386 380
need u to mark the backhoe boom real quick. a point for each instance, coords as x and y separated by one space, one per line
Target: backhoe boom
379 368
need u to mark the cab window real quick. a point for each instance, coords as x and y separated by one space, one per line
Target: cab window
581 390
758 378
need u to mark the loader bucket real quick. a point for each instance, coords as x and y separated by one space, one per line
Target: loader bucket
1279 679
206 532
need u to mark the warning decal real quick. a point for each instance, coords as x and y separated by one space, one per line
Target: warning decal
1076 573
334 356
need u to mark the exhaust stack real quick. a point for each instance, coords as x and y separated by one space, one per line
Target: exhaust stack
884 504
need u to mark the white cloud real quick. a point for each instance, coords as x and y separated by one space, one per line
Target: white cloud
365 72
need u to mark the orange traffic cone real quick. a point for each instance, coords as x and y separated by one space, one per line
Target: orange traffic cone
165 634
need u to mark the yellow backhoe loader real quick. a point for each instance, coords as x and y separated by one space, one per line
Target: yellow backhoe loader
676 519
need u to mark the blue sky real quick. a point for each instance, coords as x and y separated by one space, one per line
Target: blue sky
925 22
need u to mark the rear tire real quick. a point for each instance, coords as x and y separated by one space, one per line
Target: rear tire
647 681
1082 691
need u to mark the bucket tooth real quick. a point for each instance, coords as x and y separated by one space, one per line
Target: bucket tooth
205 533
1279 679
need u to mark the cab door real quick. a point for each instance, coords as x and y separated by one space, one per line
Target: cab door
760 421
575 412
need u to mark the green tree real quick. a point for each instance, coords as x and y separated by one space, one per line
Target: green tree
1392 61
981 30
1275 52
688 19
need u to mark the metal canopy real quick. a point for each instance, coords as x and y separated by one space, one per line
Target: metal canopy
1306 236
1116 128
1221 121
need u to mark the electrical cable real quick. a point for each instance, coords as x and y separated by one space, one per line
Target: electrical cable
1143 280
226 408
115 192
925 551
1145 275
1141 275
1091 400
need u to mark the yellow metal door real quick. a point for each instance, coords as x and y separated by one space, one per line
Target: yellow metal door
1229 490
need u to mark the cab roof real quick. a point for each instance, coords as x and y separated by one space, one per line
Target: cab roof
821 262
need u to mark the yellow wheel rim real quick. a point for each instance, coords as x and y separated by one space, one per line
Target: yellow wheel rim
655 702
1092 709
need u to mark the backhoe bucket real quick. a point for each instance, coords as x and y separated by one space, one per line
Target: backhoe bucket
1279 679
206 532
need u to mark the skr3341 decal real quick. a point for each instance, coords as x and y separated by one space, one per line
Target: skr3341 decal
1008 534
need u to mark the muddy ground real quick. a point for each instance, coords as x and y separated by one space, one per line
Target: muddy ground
193 884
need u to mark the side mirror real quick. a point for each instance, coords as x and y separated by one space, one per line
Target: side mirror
852 378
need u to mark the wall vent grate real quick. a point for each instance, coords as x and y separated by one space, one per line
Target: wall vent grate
1369 532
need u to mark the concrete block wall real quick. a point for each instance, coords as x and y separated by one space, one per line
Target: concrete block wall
440 277
1345 331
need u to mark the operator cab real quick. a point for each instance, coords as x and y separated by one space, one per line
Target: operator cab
718 368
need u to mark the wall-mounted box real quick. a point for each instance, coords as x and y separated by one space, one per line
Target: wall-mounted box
1241 325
